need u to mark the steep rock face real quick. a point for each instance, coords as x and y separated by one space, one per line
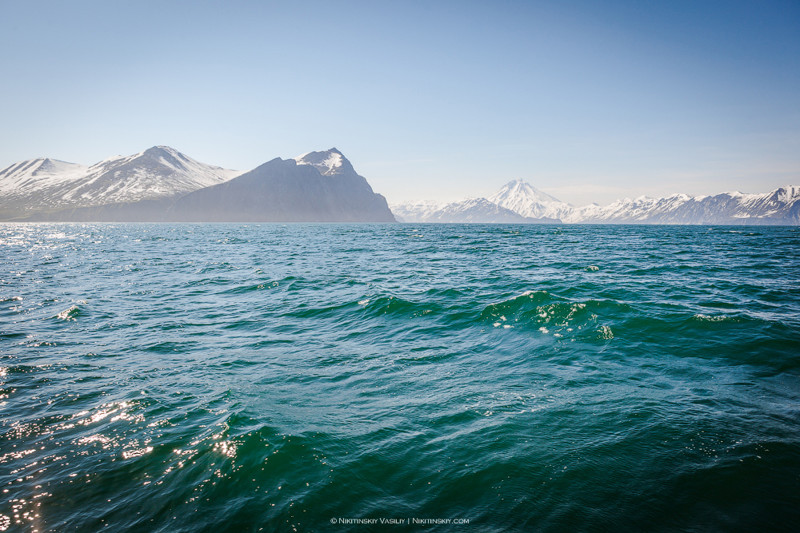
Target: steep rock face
287 191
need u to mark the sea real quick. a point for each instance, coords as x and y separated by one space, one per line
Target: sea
399 377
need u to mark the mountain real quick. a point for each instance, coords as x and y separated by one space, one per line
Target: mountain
158 172
516 202
781 206
523 198
46 185
473 210
37 184
315 187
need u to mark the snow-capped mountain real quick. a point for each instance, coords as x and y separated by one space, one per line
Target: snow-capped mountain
781 206
516 202
473 210
158 172
523 198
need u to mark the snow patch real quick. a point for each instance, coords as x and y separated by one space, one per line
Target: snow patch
328 162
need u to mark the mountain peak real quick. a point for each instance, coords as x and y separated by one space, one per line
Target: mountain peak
164 156
521 197
522 191
328 162
47 165
161 150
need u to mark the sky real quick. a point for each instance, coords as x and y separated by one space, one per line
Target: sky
588 101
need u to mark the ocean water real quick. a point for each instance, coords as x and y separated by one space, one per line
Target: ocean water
399 377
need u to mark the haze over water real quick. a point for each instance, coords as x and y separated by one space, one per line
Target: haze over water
286 377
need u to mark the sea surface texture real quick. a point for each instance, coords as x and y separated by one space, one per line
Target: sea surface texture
399 377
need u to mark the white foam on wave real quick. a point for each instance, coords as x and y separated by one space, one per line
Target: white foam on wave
68 314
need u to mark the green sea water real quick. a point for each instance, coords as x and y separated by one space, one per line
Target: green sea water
394 377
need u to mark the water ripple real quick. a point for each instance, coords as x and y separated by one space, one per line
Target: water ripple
237 377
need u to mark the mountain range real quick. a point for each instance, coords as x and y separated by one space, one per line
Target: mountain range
521 200
161 184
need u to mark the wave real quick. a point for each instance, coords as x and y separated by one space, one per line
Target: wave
551 315
71 313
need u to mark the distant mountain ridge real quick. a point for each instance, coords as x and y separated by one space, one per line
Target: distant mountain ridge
780 206
472 210
161 184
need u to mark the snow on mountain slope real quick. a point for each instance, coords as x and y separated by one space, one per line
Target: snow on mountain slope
416 211
479 210
473 210
157 172
771 204
31 178
626 210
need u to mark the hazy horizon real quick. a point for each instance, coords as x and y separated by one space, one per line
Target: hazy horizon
587 102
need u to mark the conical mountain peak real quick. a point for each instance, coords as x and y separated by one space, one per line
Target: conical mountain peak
523 198
520 191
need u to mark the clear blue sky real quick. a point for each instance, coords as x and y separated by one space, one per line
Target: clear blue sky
589 101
